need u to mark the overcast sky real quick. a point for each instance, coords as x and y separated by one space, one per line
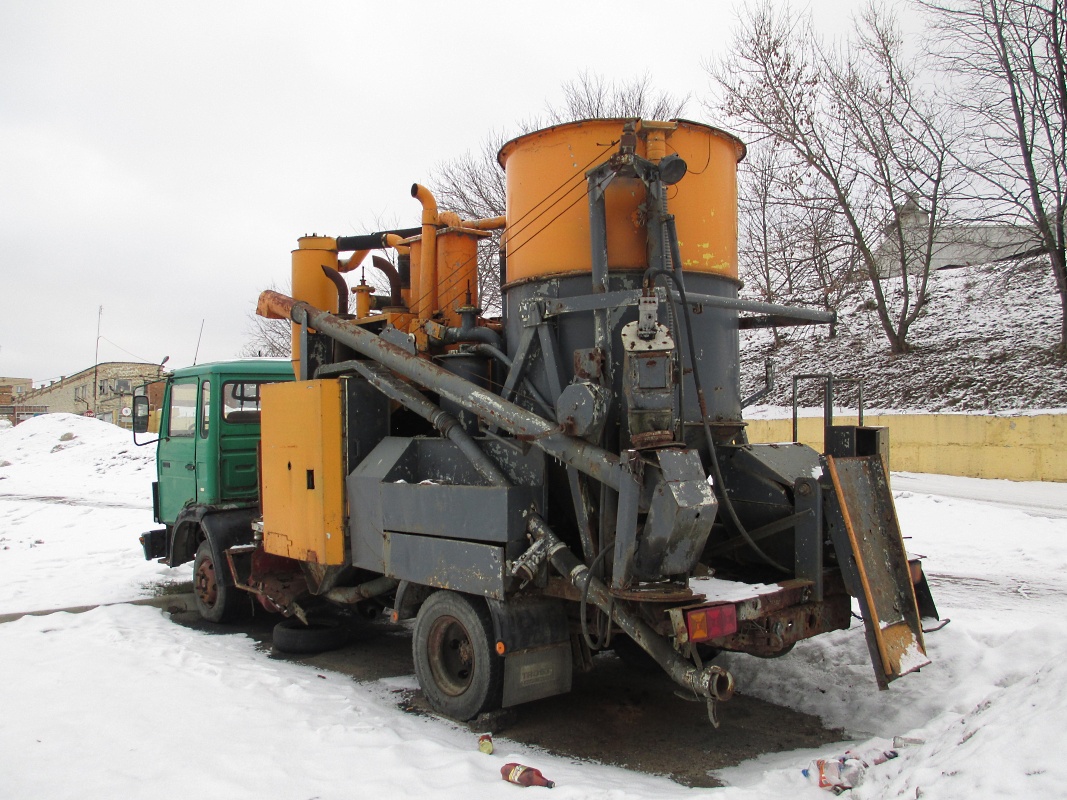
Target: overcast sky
160 159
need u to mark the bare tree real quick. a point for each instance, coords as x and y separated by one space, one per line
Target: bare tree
267 338
1010 60
877 144
473 184
592 96
766 236
792 245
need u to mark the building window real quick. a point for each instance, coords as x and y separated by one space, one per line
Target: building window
79 392
122 386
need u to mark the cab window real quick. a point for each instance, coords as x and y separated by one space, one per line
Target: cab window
181 412
241 400
205 408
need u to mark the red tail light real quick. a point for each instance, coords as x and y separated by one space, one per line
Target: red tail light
711 622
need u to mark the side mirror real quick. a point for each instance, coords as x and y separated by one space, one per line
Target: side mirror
140 414
140 418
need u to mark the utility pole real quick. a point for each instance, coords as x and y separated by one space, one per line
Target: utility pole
96 358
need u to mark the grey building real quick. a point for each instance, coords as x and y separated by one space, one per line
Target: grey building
104 391
955 245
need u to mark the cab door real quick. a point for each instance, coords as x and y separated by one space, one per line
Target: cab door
176 456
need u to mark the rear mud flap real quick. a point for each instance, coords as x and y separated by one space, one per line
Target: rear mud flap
866 536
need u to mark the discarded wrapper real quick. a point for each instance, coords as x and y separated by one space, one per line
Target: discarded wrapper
845 771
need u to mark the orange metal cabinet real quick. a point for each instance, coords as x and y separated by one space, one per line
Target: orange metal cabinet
303 478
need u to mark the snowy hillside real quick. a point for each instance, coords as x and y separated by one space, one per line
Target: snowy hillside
985 343
98 704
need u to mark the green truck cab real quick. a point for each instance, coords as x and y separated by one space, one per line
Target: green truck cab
206 492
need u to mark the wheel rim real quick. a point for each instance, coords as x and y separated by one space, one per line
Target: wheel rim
451 656
204 583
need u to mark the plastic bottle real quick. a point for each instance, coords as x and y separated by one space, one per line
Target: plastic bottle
524 776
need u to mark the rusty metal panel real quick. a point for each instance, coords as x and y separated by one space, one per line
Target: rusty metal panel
461 566
890 612
773 632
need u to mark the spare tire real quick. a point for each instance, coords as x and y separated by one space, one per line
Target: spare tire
319 635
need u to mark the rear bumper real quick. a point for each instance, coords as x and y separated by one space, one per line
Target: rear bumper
766 623
154 544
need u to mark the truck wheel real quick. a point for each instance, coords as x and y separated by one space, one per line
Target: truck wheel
455 659
215 601
319 635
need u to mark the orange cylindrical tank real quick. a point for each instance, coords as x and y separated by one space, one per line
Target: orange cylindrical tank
310 283
411 294
457 270
548 208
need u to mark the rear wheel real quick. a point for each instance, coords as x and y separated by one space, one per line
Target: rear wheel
215 601
455 658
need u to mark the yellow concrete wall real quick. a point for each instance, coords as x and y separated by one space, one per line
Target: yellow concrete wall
1022 448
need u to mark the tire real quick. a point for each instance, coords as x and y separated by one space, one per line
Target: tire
319 635
216 601
455 657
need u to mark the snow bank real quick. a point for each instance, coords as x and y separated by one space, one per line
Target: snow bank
76 458
74 496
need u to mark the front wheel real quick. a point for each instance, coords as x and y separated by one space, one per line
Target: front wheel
455 658
215 601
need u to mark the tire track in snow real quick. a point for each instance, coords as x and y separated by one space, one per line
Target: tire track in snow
74 501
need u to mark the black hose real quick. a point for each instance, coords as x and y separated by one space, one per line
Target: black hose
396 298
603 639
340 285
372 241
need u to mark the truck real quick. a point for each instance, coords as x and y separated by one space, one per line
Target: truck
564 474
206 491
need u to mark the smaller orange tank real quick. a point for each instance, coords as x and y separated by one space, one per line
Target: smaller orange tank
457 270
310 283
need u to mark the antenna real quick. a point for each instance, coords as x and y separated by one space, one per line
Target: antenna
198 338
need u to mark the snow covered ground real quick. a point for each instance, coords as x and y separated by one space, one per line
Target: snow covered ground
120 702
